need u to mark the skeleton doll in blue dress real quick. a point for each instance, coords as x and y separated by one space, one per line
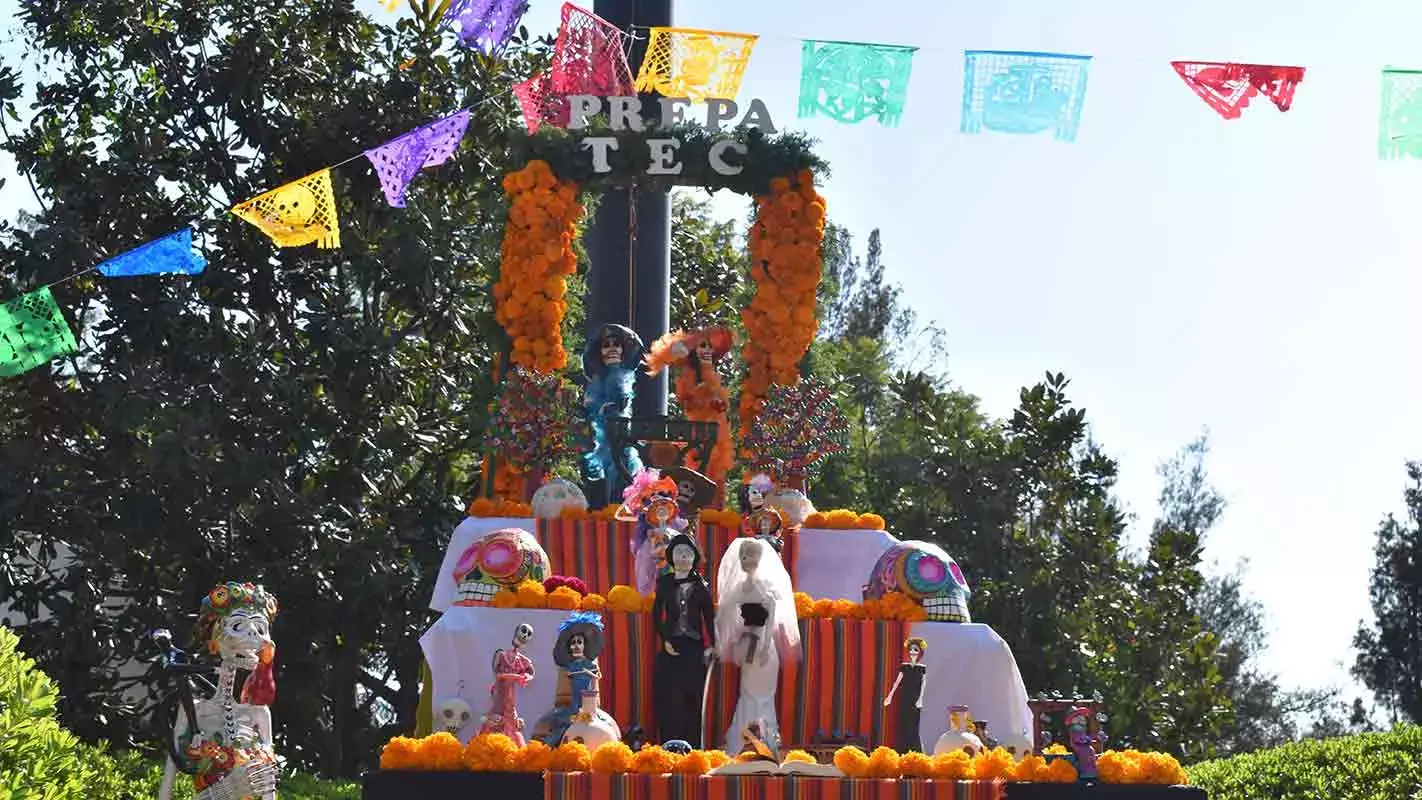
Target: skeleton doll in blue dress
610 362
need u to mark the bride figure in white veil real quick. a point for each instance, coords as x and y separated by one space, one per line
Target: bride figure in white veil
756 629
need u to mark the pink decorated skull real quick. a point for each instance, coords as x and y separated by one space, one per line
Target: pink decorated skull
925 573
501 559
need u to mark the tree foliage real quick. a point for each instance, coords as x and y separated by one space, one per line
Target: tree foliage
1389 658
307 419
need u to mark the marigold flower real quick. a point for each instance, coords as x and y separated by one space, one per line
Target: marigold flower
852 761
401 752
570 757
613 757
653 760
693 763
953 766
441 752
915 765
491 752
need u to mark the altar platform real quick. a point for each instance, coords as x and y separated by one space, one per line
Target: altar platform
835 691
592 786
832 564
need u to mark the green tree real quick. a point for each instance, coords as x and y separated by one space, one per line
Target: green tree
1389 658
304 418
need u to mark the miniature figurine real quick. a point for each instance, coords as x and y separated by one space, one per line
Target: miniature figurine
752 499
767 525
227 743
684 618
610 362
694 492
648 502
696 356
557 496
576 652
912 680
513 670
1082 744
980 729
958 737
452 714
757 629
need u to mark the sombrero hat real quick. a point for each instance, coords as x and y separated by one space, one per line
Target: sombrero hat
588 624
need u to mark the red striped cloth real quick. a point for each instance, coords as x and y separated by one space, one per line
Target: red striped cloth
600 551
595 786
834 691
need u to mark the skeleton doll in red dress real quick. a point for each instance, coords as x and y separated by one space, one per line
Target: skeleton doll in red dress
512 671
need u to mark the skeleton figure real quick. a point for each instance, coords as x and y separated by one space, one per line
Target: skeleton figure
227 748
513 669
452 714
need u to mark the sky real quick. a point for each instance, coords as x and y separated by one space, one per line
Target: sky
1251 277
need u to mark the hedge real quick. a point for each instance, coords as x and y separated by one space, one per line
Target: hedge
40 759
1368 766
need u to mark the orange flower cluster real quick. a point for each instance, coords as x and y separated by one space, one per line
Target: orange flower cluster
495 752
627 600
894 605
512 509
785 265
537 259
996 764
531 594
842 519
1131 766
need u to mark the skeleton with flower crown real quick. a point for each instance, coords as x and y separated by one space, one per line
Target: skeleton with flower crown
227 740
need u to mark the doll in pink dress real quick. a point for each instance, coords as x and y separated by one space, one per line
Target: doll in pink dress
512 670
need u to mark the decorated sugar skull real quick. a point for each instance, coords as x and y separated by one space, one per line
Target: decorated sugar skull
451 714
236 623
792 504
925 573
502 559
556 495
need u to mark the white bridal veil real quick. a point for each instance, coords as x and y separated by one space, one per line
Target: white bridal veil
769 584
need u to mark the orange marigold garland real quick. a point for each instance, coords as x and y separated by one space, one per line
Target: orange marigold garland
785 266
537 259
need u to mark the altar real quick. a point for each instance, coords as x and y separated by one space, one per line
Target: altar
835 691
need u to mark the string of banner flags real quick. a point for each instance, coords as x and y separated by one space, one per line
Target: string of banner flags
1008 92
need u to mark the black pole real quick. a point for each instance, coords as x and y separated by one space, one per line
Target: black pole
629 241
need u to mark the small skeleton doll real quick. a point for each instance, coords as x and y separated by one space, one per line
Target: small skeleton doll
909 684
513 670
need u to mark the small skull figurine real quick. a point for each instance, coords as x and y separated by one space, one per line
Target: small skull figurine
522 634
451 714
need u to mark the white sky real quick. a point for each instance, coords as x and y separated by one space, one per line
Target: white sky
1251 276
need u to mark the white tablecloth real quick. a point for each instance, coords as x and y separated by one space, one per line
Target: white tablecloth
836 564
970 665
469 531
460 650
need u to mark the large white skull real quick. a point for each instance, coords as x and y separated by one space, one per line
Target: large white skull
556 495
451 714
